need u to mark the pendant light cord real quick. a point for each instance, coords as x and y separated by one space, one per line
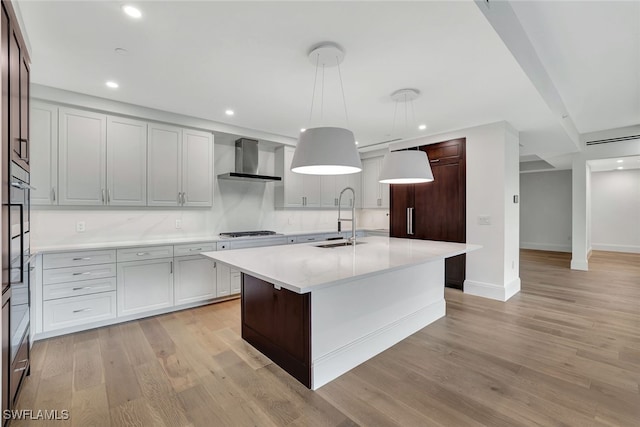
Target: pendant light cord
322 98
395 113
344 100
313 95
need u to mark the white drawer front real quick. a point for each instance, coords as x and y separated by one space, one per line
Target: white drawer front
72 259
193 248
66 312
221 246
145 252
75 274
84 287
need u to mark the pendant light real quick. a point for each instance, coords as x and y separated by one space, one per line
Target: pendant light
326 150
405 166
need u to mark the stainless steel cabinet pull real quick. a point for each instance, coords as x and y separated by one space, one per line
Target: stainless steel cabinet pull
81 288
434 160
143 253
410 221
82 259
109 195
215 265
179 197
82 274
184 198
82 310
171 272
53 194
103 195
195 249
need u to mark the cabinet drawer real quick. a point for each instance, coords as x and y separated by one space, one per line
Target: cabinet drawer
76 274
19 366
73 259
193 248
84 287
221 246
145 252
66 312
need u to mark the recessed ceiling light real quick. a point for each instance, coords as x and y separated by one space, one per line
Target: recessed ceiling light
229 112
112 84
619 167
302 130
132 11
619 161
422 127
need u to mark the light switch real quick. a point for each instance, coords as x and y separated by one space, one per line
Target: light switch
178 223
484 220
80 226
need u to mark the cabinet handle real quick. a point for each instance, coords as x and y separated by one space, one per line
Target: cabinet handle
184 198
215 264
434 161
171 267
82 310
410 221
180 197
81 288
109 195
25 361
82 274
82 259
53 194
195 249
143 253
103 195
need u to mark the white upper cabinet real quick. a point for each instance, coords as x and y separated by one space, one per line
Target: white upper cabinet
126 162
44 153
82 157
164 156
197 168
374 194
103 160
295 190
180 167
332 185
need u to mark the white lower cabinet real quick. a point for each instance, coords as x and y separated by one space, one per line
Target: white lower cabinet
144 286
67 312
228 281
236 281
194 279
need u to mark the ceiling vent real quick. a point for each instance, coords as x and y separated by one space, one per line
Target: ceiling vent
607 141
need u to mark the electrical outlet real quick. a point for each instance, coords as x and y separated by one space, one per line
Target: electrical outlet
513 265
484 220
80 226
178 223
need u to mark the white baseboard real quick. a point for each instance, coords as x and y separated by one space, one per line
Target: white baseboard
333 364
553 247
634 249
491 290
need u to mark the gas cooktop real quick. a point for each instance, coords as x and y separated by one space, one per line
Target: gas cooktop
248 233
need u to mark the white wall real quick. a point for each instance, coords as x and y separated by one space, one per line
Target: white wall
492 181
615 210
545 210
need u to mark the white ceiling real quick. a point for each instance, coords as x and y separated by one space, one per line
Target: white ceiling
200 58
616 163
591 50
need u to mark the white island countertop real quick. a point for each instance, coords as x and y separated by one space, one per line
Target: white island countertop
306 267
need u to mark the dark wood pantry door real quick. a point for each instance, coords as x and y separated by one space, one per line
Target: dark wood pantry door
439 207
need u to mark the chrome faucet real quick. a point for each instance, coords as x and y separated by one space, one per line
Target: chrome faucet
352 239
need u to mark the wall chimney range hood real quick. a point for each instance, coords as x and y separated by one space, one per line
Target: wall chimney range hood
247 163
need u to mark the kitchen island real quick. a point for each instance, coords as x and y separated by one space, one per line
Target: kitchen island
320 311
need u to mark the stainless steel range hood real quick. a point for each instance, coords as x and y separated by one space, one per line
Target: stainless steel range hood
247 163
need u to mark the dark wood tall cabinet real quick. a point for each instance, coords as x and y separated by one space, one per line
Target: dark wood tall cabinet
14 109
436 210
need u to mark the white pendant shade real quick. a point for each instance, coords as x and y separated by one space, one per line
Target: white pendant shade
405 167
326 151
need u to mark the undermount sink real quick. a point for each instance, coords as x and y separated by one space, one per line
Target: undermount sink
336 245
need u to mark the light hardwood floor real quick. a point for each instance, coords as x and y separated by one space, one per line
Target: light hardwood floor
565 352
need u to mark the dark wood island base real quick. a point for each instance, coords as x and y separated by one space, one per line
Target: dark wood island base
277 322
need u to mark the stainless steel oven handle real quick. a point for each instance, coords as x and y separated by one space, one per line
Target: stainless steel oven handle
22 185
